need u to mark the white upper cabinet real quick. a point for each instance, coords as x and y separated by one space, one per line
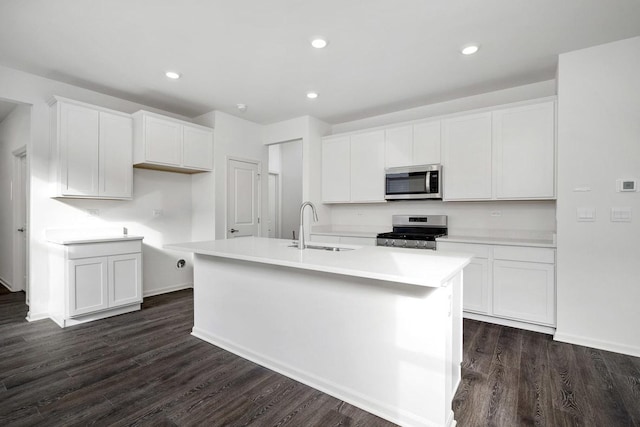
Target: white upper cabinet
367 167
353 168
336 169
467 157
426 143
116 155
398 146
524 151
412 145
164 143
92 151
501 154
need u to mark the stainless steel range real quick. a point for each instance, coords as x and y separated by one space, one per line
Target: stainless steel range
414 231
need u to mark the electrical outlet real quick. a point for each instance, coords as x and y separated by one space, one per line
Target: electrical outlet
496 213
157 213
93 212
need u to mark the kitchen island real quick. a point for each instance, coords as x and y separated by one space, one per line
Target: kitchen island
380 328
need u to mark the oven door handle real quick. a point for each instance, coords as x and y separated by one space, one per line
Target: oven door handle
427 180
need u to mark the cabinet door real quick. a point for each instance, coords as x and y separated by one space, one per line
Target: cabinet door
367 167
524 291
467 157
125 279
163 141
336 166
398 146
476 286
524 151
116 151
87 285
426 143
78 150
197 150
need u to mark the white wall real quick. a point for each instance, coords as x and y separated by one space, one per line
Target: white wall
291 187
161 190
233 137
535 219
599 142
489 99
310 130
14 133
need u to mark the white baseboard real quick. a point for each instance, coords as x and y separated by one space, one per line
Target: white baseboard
508 322
6 284
595 343
34 317
166 289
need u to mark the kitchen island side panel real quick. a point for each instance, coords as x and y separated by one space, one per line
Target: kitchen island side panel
385 347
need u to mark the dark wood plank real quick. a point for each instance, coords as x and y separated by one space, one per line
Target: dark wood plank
144 368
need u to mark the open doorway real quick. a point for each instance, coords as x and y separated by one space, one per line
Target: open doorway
15 128
285 162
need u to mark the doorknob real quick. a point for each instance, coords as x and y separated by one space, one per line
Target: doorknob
233 230
21 229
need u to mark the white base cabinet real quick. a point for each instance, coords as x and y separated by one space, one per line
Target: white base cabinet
516 283
96 280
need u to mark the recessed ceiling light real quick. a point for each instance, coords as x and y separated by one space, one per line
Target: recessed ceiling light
242 107
470 50
312 95
172 75
318 43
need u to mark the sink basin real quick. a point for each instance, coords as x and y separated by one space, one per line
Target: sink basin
324 248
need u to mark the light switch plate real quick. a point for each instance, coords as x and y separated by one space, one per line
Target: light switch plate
586 214
621 214
626 185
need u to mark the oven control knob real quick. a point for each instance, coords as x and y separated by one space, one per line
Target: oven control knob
403 243
392 243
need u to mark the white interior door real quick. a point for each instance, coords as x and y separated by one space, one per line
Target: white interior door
20 222
243 191
274 206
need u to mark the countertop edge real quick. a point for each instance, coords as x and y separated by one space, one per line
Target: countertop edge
319 268
85 240
497 241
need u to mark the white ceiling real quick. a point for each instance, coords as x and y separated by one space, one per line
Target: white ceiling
383 55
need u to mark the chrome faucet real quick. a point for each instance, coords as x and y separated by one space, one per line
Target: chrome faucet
301 244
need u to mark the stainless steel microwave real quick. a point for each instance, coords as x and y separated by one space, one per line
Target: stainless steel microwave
413 182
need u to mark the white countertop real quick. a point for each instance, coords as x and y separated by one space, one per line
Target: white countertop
349 231
497 240
411 266
76 240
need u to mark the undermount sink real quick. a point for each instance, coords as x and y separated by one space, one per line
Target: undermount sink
324 248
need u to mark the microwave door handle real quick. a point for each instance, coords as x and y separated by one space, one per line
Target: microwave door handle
427 180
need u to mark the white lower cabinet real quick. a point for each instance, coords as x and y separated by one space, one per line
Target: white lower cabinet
476 286
516 283
524 291
99 280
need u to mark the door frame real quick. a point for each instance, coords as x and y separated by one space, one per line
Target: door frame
278 205
18 197
258 163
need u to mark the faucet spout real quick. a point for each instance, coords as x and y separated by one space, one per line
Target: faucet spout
301 242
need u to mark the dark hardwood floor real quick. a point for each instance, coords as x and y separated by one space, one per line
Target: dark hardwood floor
144 368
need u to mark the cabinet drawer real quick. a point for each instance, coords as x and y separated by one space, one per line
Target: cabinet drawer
478 251
526 254
87 250
364 241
